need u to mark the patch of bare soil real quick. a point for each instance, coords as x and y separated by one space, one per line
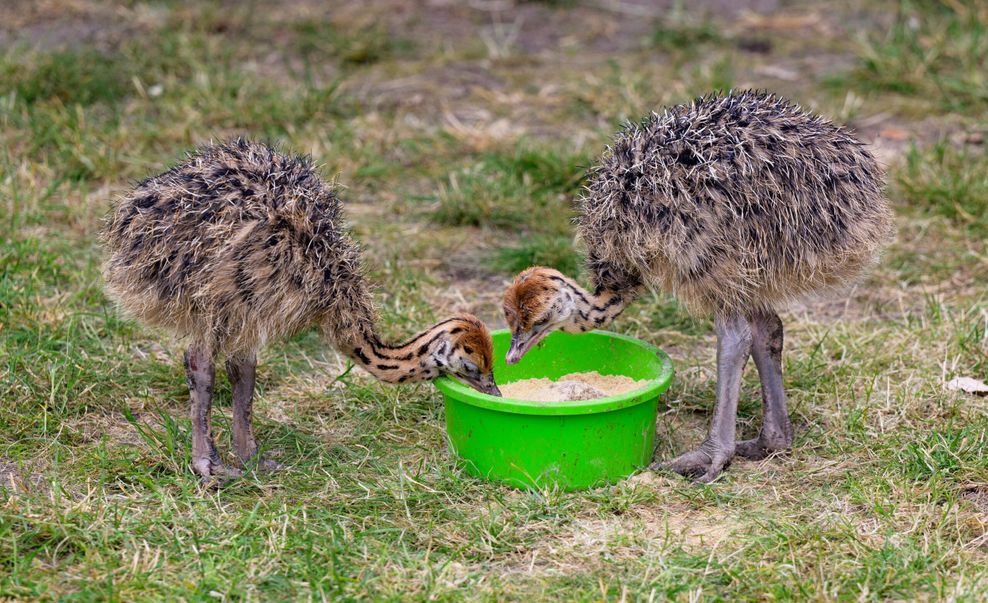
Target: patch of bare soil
15 479
479 295
644 530
467 286
94 426
431 88
59 24
612 534
977 495
890 138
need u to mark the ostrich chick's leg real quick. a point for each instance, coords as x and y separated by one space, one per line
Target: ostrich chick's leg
200 374
242 371
766 349
714 454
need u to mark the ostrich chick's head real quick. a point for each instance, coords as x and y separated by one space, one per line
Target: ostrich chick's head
539 301
468 353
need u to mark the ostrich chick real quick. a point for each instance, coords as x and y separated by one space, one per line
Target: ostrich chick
241 245
737 204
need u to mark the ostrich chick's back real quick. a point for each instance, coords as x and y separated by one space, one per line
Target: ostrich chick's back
238 245
734 203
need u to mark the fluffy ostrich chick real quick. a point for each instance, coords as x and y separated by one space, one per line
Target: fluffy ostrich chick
241 245
737 204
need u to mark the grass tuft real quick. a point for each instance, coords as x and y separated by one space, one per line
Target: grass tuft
529 191
520 190
953 453
947 181
934 52
554 251
71 78
319 40
681 36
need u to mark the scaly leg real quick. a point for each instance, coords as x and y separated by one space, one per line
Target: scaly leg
766 349
715 453
200 374
242 371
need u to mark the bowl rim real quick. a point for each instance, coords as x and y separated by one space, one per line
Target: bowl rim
464 393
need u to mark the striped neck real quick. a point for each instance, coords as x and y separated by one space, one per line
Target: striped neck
460 346
418 359
593 310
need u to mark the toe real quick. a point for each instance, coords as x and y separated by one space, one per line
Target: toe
714 471
704 464
762 447
202 467
690 464
227 471
219 478
752 450
208 469
269 465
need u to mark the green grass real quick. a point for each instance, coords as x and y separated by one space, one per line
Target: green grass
318 40
517 189
71 78
527 190
685 36
934 52
552 250
948 181
458 170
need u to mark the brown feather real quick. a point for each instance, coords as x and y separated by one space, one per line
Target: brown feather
734 203
241 245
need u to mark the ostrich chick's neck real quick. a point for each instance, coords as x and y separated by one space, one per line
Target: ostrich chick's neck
593 310
414 360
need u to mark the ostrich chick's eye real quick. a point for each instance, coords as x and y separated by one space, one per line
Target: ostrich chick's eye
509 315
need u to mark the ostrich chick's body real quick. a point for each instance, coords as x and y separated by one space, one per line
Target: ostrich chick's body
241 245
737 204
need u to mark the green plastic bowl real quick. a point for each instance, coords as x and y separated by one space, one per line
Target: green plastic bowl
572 445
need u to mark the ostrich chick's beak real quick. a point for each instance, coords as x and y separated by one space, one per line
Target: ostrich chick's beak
521 343
485 385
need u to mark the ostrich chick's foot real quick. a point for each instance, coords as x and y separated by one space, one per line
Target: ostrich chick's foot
212 469
242 369
715 453
704 464
205 459
761 447
766 349
263 465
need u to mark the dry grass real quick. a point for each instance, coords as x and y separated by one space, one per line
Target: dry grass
454 149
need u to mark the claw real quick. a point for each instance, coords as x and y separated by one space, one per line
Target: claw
703 465
267 465
211 470
752 449
759 448
690 464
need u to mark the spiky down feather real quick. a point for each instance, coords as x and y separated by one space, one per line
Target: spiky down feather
734 203
238 245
